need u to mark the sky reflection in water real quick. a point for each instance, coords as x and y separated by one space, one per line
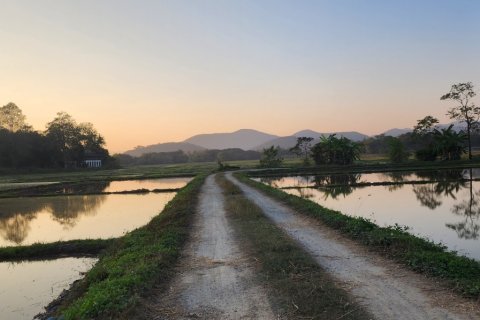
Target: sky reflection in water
27 287
447 210
28 220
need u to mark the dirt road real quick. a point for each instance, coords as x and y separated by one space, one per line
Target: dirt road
215 280
386 290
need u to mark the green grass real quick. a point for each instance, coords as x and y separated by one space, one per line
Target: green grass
134 263
43 251
298 286
460 273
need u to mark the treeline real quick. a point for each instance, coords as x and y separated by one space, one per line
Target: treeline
182 157
64 143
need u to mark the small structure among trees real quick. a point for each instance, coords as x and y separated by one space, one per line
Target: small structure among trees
64 143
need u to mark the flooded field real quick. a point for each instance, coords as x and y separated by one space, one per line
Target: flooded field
26 288
446 211
28 220
149 184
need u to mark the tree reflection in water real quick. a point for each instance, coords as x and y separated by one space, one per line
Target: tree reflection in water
430 195
470 210
16 214
336 185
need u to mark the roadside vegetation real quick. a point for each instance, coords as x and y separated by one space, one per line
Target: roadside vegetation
460 273
133 264
298 286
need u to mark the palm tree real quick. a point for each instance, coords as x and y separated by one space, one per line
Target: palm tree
449 143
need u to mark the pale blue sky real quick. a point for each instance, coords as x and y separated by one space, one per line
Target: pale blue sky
155 71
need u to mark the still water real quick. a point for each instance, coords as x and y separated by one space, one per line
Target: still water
149 184
445 211
26 288
28 220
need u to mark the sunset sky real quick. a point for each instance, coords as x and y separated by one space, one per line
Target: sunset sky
145 72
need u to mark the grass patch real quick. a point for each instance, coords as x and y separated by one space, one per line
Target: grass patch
460 273
44 251
134 263
299 286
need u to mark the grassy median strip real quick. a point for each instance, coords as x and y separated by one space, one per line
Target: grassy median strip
461 273
54 250
299 287
134 263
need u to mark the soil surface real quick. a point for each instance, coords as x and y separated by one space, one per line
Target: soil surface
215 280
386 289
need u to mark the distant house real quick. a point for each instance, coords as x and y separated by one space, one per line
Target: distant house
92 160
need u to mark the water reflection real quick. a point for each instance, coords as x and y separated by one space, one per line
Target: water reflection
29 286
16 215
99 187
387 198
47 219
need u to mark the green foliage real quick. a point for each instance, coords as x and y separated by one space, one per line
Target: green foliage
302 148
333 150
449 144
425 126
12 118
465 111
270 157
74 141
397 151
463 274
426 154
135 263
64 142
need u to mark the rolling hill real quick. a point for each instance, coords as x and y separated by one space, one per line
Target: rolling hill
245 139
164 147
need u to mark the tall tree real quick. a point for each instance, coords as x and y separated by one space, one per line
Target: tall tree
449 143
397 151
425 126
465 111
74 140
271 157
12 118
302 148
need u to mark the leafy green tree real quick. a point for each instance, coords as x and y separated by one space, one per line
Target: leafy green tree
333 150
302 148
271 157
397 151
425 126
12 118
449 143
72 141
465 111
423 134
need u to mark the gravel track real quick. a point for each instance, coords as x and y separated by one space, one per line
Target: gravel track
215 279
387 290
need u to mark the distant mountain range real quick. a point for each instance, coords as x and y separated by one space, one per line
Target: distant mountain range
164 147
248 139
